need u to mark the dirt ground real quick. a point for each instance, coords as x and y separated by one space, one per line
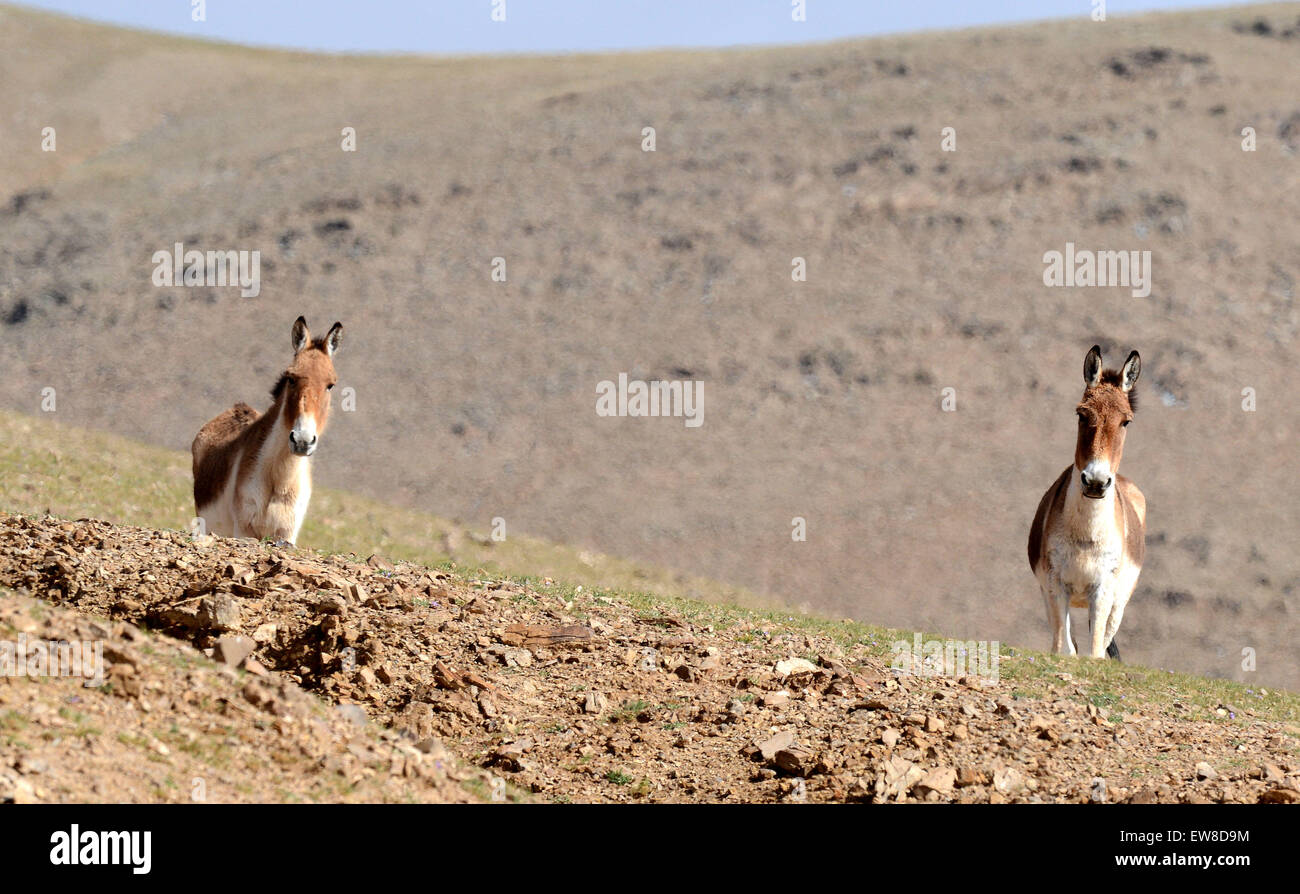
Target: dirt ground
823 399
543 693
167 725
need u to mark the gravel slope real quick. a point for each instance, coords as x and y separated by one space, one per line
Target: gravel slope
569 696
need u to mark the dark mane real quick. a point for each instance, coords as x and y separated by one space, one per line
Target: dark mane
1116 377
280 385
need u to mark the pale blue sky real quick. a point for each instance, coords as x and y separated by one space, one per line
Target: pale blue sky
545 26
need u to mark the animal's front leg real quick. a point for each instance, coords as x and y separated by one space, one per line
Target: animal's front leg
281 525
1100 601
1112 622
1057 599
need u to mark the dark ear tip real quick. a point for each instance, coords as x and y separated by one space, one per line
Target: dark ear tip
1096 349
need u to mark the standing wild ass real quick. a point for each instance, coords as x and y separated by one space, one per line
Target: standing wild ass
252 473
1087 542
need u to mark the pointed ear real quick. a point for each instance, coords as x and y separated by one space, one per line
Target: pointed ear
1132 368
1092 366
301 335
333 338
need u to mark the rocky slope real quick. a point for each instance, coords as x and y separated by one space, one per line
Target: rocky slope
556 695
165 724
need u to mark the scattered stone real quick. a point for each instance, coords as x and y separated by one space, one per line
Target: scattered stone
1009 781
232 650
795 760
473 679
1097 794
219 612
380 563
444 677
509 756
534 636
32 766
709 662
834 665
16 790
1280 795
940 780
896 778
332 604
795 666
770 747
872 704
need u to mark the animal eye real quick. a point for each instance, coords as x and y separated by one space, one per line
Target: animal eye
1125 423
330 387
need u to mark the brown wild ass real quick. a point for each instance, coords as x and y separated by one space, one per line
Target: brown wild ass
1087 541
252 473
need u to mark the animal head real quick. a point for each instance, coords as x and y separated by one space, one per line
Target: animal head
304 388
1104 414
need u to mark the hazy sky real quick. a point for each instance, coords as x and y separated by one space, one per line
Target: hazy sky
466 26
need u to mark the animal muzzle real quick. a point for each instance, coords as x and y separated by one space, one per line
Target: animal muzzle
1095 481
302 443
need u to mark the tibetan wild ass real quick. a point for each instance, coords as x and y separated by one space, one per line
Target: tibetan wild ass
1087 542
252 473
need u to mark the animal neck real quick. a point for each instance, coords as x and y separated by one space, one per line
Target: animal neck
1086 518
283 470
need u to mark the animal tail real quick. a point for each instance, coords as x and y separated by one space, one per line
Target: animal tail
1112 651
